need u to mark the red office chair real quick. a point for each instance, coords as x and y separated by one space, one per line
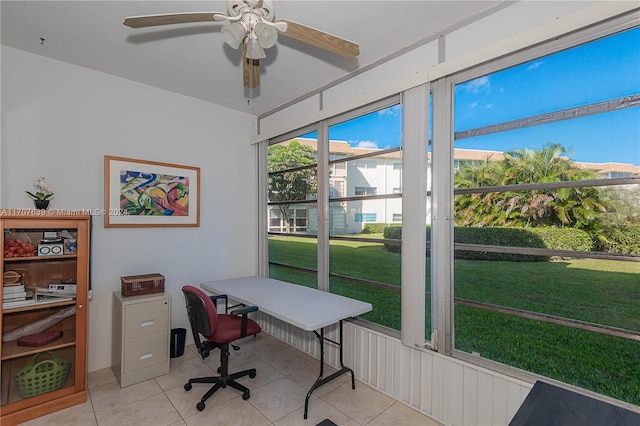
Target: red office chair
218 330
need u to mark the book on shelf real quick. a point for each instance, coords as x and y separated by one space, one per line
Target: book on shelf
8 289
16 303
14 295
33 301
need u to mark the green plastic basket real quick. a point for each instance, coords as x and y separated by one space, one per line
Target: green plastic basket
41 377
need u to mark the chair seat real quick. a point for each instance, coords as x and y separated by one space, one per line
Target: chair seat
229 328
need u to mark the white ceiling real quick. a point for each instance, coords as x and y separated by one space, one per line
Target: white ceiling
192 59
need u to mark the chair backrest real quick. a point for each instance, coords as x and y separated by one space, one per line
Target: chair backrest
201 310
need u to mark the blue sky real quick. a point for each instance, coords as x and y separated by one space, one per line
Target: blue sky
602 70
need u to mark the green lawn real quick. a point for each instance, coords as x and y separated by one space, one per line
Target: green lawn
606 292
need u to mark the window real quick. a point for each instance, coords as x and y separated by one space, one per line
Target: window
336 188
541 276
619 175
544 192
366 164
295 221
365 217
292 208
365 190
366 270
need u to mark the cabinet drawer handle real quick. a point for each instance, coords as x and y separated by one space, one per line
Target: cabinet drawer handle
146 356
146 323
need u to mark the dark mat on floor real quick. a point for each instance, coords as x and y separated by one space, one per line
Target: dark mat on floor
326 422
550 405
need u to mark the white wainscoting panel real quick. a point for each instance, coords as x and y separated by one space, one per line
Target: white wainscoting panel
449 390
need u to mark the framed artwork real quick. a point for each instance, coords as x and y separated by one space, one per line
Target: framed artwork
139 193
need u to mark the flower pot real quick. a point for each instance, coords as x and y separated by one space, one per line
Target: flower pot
41 204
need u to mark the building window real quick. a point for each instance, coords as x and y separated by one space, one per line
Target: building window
366 190
619 175
365 217
366 164
397 166
336 188
397 217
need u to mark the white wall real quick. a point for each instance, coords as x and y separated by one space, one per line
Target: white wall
59 120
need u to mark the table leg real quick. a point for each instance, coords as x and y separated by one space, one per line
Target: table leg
322 380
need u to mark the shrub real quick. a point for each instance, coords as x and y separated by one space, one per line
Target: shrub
564 238
625 240
511 237
393 233
550 238
374 228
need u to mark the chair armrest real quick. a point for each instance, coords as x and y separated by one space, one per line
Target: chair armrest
244 311
216 297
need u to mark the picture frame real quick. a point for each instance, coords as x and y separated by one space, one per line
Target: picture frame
70 246
141 193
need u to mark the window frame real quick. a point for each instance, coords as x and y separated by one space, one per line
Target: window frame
441 192
444 138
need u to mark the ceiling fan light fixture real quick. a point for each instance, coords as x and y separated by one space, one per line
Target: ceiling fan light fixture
254 50
267 34
250 24
233 34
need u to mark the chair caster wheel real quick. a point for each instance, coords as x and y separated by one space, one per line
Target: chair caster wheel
187 386
245 396
252 375
200 406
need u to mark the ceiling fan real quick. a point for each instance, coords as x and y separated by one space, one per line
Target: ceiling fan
251 25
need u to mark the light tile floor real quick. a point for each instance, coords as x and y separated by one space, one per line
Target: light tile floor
284 374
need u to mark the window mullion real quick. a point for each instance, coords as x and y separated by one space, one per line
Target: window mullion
415 113
262 252
442 217
323 206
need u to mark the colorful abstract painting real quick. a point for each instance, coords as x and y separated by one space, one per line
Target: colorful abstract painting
153 194
149 193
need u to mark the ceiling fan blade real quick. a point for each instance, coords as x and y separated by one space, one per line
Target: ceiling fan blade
171 18
250 70
320 39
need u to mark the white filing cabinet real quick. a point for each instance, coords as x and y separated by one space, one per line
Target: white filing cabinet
141 330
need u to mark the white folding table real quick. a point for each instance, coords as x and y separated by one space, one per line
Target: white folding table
306 308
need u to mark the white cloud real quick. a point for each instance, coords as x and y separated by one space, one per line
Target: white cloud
472 105
393 111
534 65
364 144
478 85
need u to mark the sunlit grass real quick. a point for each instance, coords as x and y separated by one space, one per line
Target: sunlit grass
599 291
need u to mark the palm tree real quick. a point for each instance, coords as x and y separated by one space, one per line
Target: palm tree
575 207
